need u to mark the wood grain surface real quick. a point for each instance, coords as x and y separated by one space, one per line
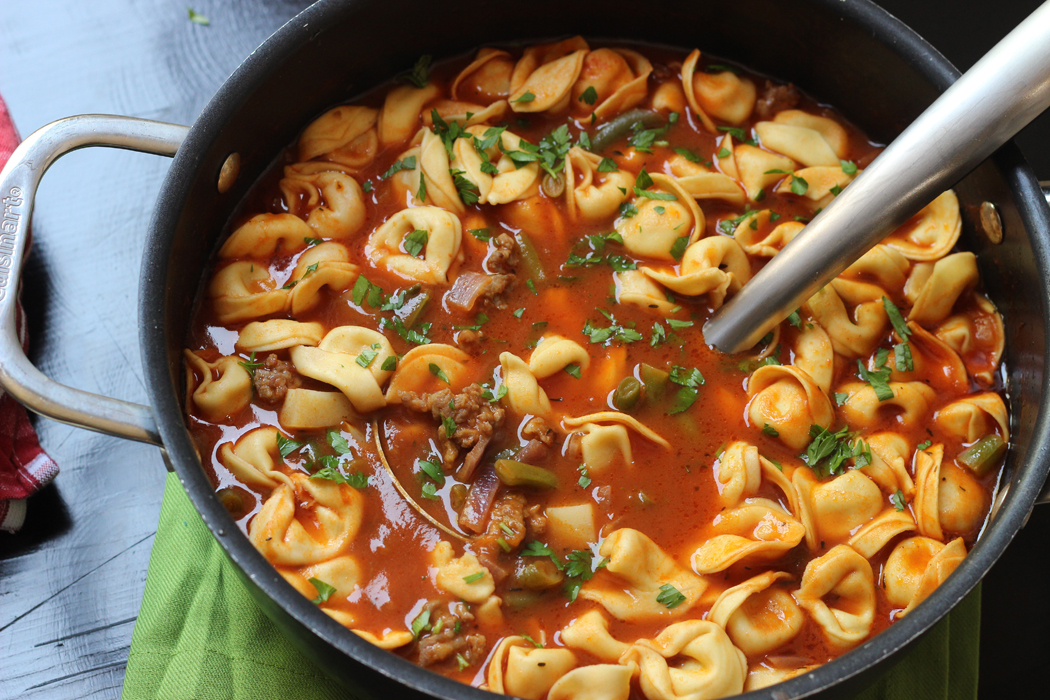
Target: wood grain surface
71 582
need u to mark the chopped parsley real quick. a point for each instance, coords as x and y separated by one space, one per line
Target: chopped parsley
287 446
590 95
532 287
878 378
491 397
313 241
627 210
324 591
573 370
848 166
607 165
367 357
338 442
794 319
429 491
798 185
828 451
482 234
389 364
439 373
526 96
449 425
659 335
679 246
517 313
690 380
723 152
840 398
474 578
408 163
415 241
585 476
366 186
897 500
614 331
739 134
688 155
769 430
670 597
468 192
419 76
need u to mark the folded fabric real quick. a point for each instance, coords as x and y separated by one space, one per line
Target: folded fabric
199 636
24 466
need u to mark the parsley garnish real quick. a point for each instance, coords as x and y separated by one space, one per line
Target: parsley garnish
794 319
429 491
688 155
449 425
532 287
924 445
324 591
366 186
627 210
679 246
879 378
415 241
482 234
690 380
420 73
798 185
473 578
829 450
614 331
585 477
848 166
439 373
897 500
573 370
739 134
840 398
399 165
366 358
338 442
527 96
389 364
313 241
590 95
287 446
517 313
670 597
468 191
607 165
769 430
659 335
723 152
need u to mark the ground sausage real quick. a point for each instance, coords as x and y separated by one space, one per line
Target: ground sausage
503 256
537 429
452 636
776 98
274 378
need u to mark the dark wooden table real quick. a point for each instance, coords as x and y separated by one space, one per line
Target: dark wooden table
71 582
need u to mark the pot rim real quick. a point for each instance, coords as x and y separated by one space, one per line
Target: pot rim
165 398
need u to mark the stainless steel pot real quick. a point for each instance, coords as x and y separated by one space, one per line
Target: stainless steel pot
850 54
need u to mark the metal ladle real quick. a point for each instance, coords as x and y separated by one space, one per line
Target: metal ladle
999 96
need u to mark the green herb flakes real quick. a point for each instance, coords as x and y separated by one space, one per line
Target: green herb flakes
670 597
590 95
439 373
324 591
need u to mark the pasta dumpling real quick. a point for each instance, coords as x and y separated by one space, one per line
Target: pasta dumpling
432 231
917 566
334 361
345 135
225 388
716 266
690 660
757 615
789 401
844 577
758 530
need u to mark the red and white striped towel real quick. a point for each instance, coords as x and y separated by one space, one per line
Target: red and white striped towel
24 466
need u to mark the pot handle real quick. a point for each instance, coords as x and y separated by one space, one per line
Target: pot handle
18 184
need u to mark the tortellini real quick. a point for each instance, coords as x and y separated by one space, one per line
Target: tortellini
244 290
654 230
630 584
852 335
838 591
332 202
716 266
617 78
910 404
278 334
344 135
464 577
265 234
324 265
306 409
702 183
805 138
833 510
756 239
350 358
486 79
428 368
524 393
972 417
591 195
252 459
596 682
931 233
637 288
431 230
947 497
519 669
690 660
335 515
590 633
917 566
758 615
554 353
757 530
789 401
933 288
548 73
399 118
509 182
226 394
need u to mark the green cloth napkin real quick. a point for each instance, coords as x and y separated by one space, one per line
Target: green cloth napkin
199 636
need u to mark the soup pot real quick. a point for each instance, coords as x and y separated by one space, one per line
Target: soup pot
854 55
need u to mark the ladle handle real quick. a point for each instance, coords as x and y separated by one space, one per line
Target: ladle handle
1003 92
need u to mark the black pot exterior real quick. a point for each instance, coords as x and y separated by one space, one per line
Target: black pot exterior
849 53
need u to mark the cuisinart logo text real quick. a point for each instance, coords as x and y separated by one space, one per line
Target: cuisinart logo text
9 235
